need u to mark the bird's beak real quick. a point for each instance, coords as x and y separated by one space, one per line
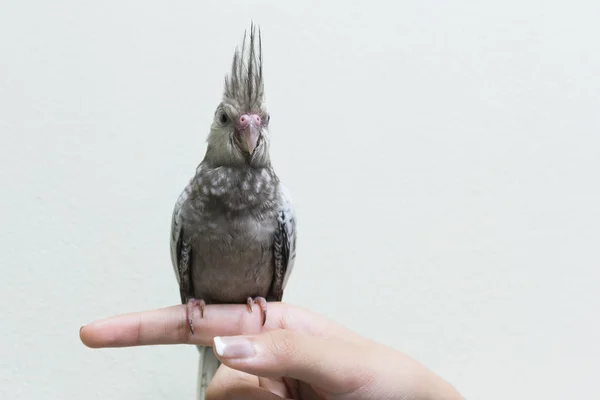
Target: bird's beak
251 135
249 127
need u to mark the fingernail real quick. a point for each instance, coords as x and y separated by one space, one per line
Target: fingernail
233 347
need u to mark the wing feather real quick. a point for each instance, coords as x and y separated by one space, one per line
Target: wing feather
181 248
284 247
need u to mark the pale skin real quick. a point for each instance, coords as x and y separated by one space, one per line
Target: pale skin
297 354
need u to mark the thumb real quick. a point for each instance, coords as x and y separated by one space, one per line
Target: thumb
331 364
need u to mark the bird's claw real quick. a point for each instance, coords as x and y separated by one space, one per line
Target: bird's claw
262 303
190 311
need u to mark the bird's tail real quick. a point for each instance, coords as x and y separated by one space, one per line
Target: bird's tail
207 366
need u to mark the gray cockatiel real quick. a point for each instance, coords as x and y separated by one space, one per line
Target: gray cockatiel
233 232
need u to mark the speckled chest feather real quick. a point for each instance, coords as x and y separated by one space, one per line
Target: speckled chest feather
232 215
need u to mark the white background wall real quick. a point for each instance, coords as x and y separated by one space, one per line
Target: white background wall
443 157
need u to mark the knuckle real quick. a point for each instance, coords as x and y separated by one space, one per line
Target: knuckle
283 344
183 329
138 332
246 323
287 318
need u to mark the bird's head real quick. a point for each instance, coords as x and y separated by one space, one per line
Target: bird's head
239 132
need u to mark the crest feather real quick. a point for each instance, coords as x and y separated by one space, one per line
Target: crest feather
244 86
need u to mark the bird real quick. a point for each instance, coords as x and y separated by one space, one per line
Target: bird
233 227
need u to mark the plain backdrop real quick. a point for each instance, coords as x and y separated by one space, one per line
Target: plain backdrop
443 158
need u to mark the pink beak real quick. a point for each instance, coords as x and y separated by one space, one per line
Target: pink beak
249 128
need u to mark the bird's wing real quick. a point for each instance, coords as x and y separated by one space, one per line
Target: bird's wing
284 249
181 248
180 258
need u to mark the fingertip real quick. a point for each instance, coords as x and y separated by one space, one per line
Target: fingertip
86 336
109 332
81 336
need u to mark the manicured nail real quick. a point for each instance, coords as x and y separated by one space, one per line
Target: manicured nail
233 347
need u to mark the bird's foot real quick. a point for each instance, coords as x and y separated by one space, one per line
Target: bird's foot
262 303
190 311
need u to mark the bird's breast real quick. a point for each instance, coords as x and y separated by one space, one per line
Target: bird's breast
232 258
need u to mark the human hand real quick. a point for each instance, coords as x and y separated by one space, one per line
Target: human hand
297 354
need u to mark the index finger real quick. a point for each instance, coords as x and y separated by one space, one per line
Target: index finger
169 325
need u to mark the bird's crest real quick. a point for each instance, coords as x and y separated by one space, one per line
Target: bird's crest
244 86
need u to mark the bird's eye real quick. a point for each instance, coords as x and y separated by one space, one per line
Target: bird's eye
223 118
268 118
